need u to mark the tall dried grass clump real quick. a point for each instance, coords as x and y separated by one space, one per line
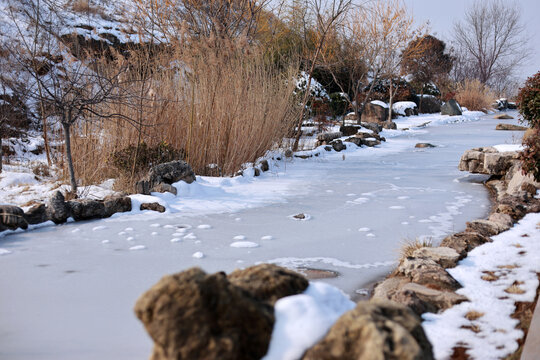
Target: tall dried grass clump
221 107
474 95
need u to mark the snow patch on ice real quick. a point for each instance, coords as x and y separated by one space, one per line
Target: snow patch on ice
302 320
244 244
137 247
508 147
198 255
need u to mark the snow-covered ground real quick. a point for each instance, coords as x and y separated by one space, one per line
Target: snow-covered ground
70 288
494 277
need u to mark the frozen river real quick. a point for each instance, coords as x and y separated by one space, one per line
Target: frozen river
67 292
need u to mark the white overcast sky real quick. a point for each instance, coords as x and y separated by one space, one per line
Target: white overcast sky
442 14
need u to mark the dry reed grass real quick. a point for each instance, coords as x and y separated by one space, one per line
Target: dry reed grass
474 95
225 106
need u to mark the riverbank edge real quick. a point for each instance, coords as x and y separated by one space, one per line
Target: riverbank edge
421 282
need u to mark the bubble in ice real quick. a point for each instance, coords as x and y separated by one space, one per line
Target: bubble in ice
244 244
364 229
137 247
267 237
204 226
128 229
155 225
190 236
154 233
131 238
98 228
239 237
105 241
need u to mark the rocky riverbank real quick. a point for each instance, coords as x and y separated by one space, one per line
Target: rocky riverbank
194 305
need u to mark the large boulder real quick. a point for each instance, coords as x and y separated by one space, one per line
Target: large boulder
452 108
421 299
193 315
427 272
488 161
374 330
12 217
86 209
486 227
374 113
444 256
326 138
166 173
58 209
429 104
348 130
510 127
464 242
338 145
116 204
375 127
268 282
37 214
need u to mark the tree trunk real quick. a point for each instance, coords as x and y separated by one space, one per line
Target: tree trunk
421 99
67 137
390 101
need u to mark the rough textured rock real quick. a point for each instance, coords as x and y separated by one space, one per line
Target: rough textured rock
269 282
374 113
451 107
37 214
86 209
375 127
192 315
374 330
503 116
348 130
116 204
326 138
411 111
520 182
389 125
444 256
427 272
504 220
366 135
167 173
486 227
387 289
429 105
424 145
338 145
57 209
265 166
12 217
510 127
464 242
370 142
422 299
153 206
162 188
487 161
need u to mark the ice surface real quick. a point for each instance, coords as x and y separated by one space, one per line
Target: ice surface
109 278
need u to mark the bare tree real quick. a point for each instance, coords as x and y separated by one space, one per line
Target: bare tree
327 14
67 88
490 41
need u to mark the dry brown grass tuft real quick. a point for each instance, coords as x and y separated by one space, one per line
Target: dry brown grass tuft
515 289
474 95
85 7
490 276
410 246
508 267
474 315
